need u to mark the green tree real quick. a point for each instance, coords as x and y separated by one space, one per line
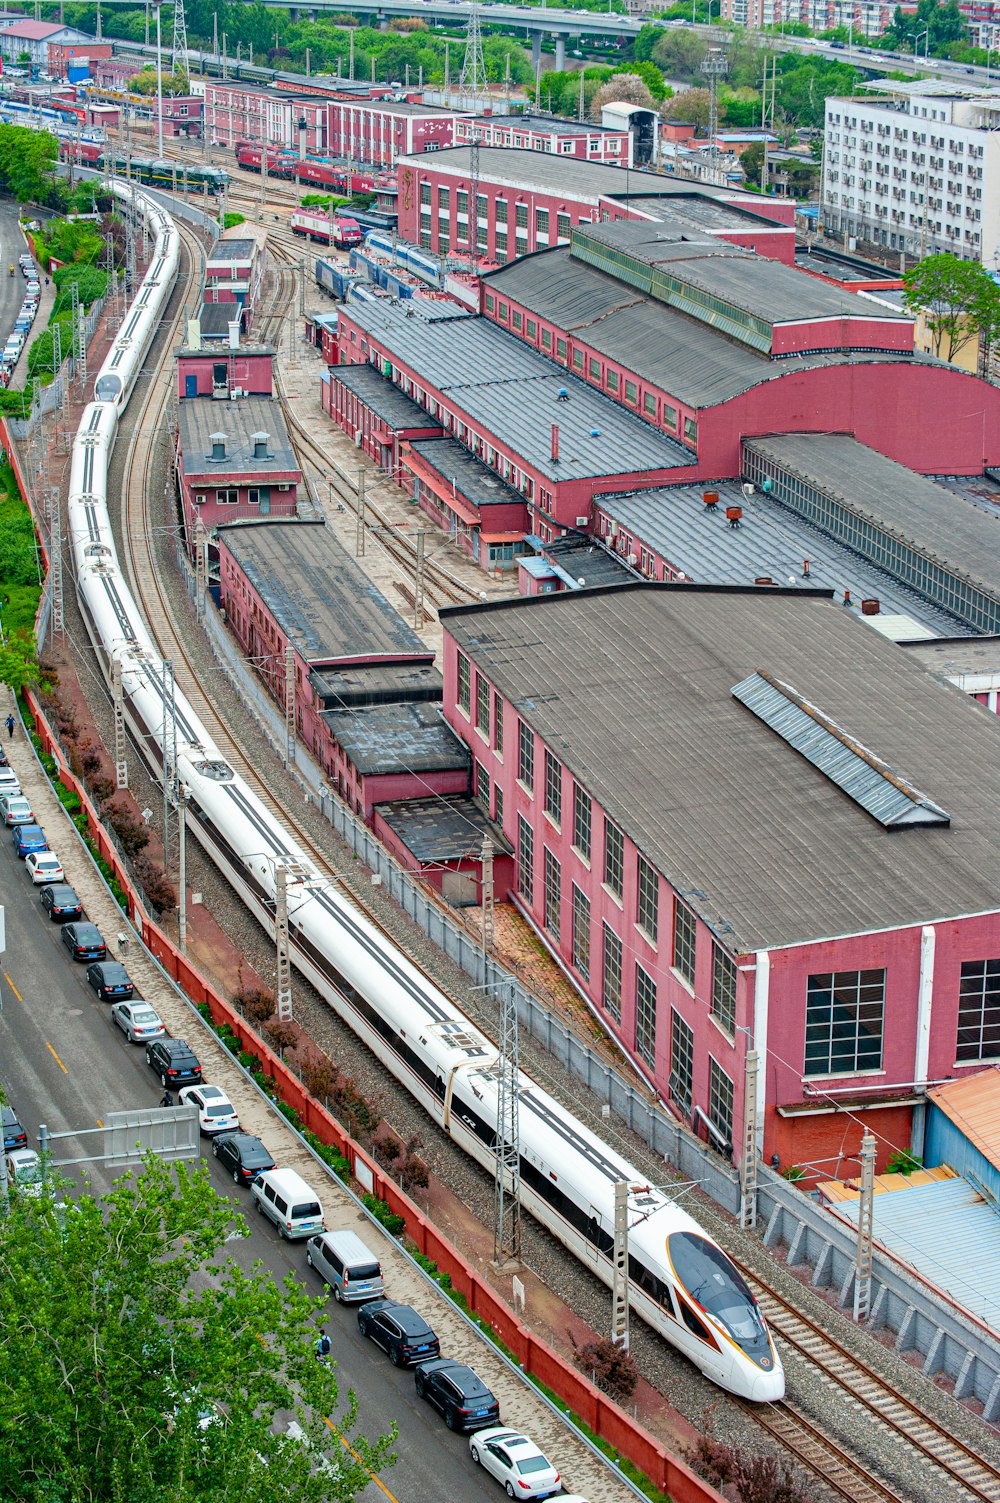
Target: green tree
680 54
650 75
140 1363
648 36
959 300
27 159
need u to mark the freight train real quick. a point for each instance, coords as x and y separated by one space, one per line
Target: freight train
680 1280
152 174
320 172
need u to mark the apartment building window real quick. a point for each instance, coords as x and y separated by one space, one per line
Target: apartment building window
482 706
498 724
553 787
229 497
978 1010
645 1016
553 885
525 860
844 1017
581 821
723 989
681 1076
648 899
581 932
614 858
720 1101
483 787
611 980
685 939
526 755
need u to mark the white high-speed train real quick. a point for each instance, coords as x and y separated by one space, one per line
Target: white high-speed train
681 1282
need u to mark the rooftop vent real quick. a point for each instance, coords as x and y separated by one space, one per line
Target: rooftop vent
218 442
260 443
562 395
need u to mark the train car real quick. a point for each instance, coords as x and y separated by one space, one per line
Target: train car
279 163
166 175
334 175
72 149
336 279
316 224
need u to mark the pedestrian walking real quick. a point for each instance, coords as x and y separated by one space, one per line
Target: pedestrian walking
324 1346
10 726
166 1099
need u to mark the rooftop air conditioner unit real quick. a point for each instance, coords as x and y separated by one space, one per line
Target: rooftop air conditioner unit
582 521
358 437
748 489
633 559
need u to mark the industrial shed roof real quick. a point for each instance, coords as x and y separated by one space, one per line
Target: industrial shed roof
551 174
443 829
390 738
393 406
681 355
514 393
322 601
762 844
239 423
460 468
973 1104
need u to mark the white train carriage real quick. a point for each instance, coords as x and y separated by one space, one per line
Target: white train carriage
681 1282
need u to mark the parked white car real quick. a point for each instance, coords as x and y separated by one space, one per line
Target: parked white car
44 867
216 1112
515 1461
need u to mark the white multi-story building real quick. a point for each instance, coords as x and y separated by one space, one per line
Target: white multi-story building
865 18
916 169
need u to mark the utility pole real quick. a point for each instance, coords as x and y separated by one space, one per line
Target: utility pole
289 705
418 583
748 1157
866 1229
507 1180
182 932
121 764
359 537
200 567
714 66
159 84
55 562
81 314
169 753
472 84
619 1268
284 979
487 903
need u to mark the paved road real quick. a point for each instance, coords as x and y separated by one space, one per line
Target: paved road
63 1062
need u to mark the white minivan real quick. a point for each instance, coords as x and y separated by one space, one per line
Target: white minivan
348 1265
291 1204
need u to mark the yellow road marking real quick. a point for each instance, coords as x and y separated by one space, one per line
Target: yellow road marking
348 1447
13 988
56 1057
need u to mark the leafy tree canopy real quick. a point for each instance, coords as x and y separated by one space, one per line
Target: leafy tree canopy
141 1364
959 299
26 163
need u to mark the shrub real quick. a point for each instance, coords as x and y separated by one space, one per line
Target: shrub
131 832
102 787
155 884
903 1162
256 1003
611 1367
319 1077
280 1035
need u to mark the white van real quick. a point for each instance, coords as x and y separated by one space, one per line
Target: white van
291 1204
350 1267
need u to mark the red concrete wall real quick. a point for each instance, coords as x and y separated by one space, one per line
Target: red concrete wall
251 373
844 333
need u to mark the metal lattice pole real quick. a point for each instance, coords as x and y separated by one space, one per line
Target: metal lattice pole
200 567
359 535
472 84
714 66
55 562
178 59
82 367
866 1230
182 867
487 904
418 582
507 1178
290 705
121 763
284 979
619 1268
748 1157
74 303
169 753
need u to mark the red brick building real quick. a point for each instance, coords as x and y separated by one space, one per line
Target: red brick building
378 131
246 112
379 418
224 372
235 463
563 138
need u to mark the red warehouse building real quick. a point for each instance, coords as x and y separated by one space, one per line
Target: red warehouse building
375 413
235 463
234 271
242 112
784 838
183 116
379 131
528 201
562 138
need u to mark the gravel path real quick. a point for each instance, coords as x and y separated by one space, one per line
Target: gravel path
684 1387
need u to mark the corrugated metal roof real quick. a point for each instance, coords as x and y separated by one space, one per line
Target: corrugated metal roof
391 738
239 422
443 829
949 1234
467 475
766 851
973 1104
856 770
382 398
554 174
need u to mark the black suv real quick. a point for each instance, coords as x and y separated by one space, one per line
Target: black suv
243 1155
174 1061
399 1331
61 902
84 941
457 1393
14 1135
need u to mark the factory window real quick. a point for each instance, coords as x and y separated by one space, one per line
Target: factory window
444 200
525 860
645 1016
844 1014
227 497
723 989
611 994
720 1102
464 683
614 858
254 494
498 724
483 787
425 240
581 932
516 319
648 899
498 813
482 706
502 311
501 211
578 360
691 430
542 222
546 339
612 380
685 939
632 393
562 226
553 787
526 755
681 1062
462 202
501 250
669 417
425 194
560 349
491 303
978 1010
594 369
532 329
581 821
553 884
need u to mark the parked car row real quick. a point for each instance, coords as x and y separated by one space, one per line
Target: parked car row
18 336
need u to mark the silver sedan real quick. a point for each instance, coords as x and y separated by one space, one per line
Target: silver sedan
138 1021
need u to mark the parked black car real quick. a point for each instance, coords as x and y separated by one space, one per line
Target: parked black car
399 1330
84 941
110 980
243 1155
458 1394
14 1135
174 1061
61 902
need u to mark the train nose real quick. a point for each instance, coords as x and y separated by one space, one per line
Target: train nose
769 1387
